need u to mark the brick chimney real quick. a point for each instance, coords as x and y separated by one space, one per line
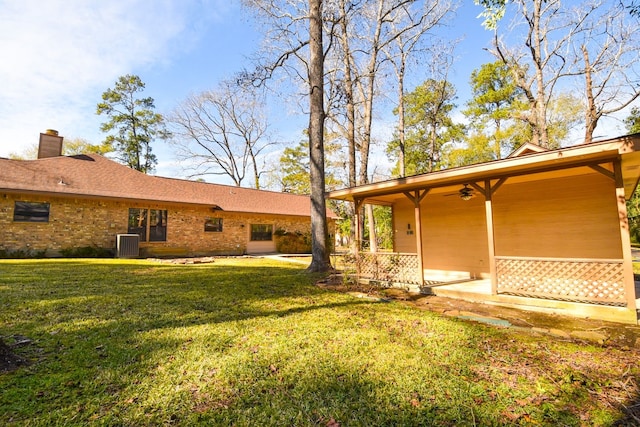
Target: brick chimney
50 144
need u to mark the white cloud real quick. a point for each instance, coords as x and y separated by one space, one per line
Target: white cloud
60 55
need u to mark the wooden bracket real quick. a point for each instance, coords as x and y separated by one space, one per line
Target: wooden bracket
478 188
417 196
604 171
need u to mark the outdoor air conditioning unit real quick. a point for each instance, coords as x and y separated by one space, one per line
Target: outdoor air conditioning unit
127 246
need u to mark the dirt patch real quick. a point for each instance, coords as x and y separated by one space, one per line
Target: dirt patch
194 260
9 361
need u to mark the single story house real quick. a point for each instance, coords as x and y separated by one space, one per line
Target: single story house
62 202
541 229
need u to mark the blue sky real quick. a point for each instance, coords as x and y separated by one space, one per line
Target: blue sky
59 56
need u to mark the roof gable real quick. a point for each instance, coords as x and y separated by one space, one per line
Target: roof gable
526 149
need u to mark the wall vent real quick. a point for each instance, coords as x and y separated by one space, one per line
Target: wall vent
127 246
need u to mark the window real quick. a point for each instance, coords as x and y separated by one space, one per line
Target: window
157 225
138 223
31 212
213 224
148 222
261 232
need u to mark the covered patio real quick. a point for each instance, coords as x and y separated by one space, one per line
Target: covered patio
542 230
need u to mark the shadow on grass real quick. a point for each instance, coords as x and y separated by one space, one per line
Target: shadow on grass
131 343
82 296
631 410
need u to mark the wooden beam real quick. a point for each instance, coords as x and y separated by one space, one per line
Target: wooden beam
497 185
478 188
423 195
488 206
417 195
604 171
409 196
627 261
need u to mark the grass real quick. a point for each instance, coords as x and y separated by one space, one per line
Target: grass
251 342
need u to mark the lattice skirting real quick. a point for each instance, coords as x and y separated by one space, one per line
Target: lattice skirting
391 267
589 281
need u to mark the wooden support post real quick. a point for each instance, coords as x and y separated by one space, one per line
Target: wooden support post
357 204
416 197
488 206
419 249
629 283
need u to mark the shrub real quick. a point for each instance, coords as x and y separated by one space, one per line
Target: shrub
295 242
87 252
21 253
634 233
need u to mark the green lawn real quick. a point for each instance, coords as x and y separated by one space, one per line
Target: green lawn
250 342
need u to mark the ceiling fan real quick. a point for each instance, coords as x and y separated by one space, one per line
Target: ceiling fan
465 193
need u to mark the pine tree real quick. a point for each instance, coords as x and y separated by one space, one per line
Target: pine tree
134 122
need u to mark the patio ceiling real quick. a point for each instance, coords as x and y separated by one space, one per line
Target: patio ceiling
562 162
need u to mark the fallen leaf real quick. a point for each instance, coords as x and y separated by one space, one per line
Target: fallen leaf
333 423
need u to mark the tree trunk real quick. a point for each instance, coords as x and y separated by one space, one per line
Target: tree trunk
373 238
591 116
368 95
350 111
401 135
319 230
536 51
256 173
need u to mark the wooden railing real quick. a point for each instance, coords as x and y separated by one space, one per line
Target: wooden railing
599 281
389 267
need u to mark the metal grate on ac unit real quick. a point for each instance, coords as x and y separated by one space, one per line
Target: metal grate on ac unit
127 245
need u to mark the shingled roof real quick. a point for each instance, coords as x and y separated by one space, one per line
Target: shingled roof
92 175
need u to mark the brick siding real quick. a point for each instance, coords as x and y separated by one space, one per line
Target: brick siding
76 223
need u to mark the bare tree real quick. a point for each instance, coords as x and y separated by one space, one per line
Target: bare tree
609 48
222 132
345 56
412 44
548 31
366 33
356 34
377 33
595 45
